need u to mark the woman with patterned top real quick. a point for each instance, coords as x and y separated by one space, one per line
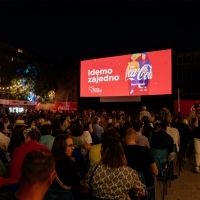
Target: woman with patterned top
112 178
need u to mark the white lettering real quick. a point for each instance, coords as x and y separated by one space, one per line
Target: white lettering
66 107
100 79
110 71
96 78
103 71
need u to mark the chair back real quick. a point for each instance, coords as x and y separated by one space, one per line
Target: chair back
159 166
150 191
162 154
59 195
174 148
141 176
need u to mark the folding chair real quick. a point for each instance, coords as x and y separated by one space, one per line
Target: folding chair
58 195
179 156
150 191
161 173
168 166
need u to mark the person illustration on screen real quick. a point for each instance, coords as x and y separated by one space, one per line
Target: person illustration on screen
145 72
132 70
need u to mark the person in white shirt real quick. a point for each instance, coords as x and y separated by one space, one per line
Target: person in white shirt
4 140
174 133
144 112
6 121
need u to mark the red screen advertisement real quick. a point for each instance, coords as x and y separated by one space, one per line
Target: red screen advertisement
186 106
146 73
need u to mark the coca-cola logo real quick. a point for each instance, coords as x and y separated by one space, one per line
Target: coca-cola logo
193 108
63 107
144 73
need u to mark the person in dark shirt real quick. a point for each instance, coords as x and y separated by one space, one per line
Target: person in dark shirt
139 158
160 139
68 176
185 135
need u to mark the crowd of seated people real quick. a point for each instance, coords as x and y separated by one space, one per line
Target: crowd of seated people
86 143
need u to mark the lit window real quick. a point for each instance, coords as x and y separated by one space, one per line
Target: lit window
20 50
12 59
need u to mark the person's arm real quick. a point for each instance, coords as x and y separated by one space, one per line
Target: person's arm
86 146
85 184
179 141
196 123
90 128
154 169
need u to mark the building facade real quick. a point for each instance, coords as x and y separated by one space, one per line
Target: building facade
10 58
188 74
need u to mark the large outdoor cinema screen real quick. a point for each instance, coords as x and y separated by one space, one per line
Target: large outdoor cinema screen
138 74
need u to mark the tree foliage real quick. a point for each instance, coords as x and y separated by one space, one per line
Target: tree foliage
38 78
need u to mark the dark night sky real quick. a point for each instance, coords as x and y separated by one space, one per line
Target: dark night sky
84 29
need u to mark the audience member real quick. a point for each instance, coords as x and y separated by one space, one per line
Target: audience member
97 129
16 140
185 136
112 178
139 158
160 139
196 135
165 114
141 140
31 143
37 174
67 174
82 139
95 151
46 139
4 140
144 112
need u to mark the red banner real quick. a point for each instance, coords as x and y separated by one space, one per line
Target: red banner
146 73
186 106
65 106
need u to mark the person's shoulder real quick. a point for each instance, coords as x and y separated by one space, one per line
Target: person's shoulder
96 146
86 133
136 148
144 138
128 169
